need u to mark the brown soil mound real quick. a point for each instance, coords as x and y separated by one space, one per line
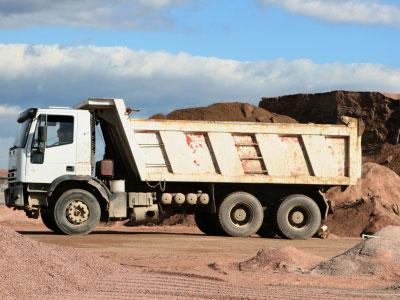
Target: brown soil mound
230 111
368 206
288 259
379 257
379 112
29 267
388 156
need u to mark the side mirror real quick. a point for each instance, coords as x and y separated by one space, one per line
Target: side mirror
42 136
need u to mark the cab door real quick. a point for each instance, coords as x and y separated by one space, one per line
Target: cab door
53 154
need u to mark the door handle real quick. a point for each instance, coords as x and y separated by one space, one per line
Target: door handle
70 168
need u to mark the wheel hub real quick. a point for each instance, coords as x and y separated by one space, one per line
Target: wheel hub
77 212
298 217
239 215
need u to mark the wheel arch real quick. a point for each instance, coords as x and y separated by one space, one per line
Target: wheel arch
323 203
87 183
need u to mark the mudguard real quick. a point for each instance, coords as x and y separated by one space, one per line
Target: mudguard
96 183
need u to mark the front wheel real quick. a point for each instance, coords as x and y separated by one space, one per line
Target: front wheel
298 217
77 212
240 214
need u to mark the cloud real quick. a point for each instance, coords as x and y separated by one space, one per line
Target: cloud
43 75
7 110
126 14
343 11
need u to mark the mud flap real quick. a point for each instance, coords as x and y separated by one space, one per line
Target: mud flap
328 206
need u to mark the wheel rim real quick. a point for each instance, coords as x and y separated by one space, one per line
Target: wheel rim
298 217
77 212
241 215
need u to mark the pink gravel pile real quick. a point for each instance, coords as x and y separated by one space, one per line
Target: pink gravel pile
375 257
11 217
28 267
288 259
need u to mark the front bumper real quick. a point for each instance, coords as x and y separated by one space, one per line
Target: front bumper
14 196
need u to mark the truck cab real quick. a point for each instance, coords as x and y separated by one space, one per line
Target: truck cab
50 143
52 170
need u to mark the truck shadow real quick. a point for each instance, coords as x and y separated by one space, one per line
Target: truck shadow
109 232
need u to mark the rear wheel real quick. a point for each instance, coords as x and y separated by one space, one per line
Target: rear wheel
77 212
47 216
298 217
240 214
208 223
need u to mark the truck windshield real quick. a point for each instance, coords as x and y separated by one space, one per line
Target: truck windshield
22 133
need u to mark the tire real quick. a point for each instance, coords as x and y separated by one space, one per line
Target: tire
240 214
77 212
298 217
208 223
47 216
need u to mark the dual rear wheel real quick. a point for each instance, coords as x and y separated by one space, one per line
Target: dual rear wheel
241 214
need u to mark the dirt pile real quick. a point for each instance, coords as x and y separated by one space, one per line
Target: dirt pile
230 111
11 217
379 257
32 268
368 206
288 259
3 173
388 156
380 112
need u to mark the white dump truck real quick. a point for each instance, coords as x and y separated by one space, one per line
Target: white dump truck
237 178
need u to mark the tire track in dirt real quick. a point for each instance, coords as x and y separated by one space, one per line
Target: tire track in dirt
150 285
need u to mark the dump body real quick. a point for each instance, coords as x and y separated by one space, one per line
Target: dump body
236 152
247 152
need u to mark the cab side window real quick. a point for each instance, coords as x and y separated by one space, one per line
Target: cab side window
60 130
41 123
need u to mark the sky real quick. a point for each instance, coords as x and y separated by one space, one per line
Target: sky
160 55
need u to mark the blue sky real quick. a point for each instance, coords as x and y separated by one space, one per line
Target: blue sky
163 54
241 30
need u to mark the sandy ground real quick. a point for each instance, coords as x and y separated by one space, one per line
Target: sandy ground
179 262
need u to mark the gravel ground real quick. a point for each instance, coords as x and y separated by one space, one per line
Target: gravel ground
174 262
